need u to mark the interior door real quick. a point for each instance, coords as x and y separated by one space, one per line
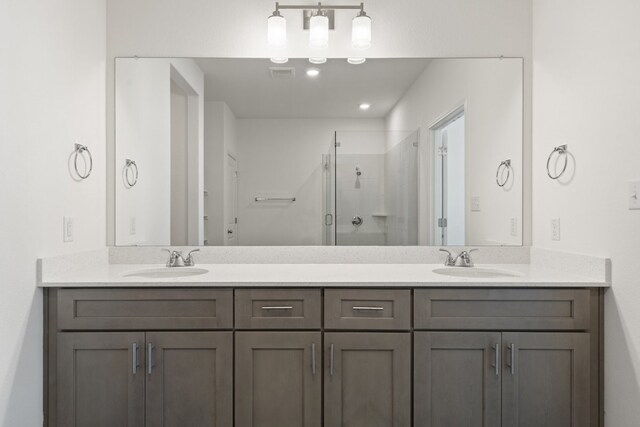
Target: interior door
231 202
100 379
457 379
367 379
189 379
546 380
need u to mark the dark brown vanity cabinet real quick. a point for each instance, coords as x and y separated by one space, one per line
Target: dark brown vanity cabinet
139 377
538 368
427 357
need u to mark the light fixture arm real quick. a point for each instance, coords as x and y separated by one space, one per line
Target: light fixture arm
321 7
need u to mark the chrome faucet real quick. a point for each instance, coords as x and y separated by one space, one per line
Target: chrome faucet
462 260
176 259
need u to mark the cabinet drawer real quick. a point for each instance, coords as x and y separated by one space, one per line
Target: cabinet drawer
502 309
277 308
144 309
369 309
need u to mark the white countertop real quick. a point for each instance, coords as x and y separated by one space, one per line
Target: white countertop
316 275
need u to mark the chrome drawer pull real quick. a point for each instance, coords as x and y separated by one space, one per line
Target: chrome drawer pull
278 307
363 308
496 361
313 359
512 352
331 361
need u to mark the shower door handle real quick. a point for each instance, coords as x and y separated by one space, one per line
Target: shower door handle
328 219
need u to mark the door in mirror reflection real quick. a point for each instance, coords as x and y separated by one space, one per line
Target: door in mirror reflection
449 177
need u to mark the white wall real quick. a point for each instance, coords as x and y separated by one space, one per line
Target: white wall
587 94
406 28
143 99
52 81
491 90
283 158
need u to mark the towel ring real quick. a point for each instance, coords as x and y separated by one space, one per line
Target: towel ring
505 165
562 151
130 165
79 150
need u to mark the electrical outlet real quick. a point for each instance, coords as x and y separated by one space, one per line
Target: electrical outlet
475 203
514 226
555 229
132 225
67 229
634 195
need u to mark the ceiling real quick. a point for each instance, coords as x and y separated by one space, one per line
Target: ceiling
249 90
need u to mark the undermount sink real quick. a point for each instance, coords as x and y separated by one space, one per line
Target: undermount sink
475 272
167 273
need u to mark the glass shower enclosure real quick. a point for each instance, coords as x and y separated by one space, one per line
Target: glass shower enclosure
370 189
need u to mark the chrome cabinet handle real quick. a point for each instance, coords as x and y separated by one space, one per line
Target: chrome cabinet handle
278 307
365 308
512 352
496 360
150 358
331 360
134 357
313 359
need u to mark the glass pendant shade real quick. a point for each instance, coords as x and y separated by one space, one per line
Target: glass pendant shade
361 32
277 32
318 32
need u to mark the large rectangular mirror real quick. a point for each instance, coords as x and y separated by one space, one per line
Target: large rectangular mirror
391 152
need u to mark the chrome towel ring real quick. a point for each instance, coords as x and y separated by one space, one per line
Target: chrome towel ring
79 150
130 166
504 165
562 152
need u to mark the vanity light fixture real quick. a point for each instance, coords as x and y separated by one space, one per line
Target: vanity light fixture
365 106
356 61
317 60
313 72
319 20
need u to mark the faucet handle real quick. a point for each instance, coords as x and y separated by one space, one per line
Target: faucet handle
449 261
188 260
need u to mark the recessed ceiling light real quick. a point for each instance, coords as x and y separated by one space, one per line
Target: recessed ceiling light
364 106
317 60
279 60
356 61
313 72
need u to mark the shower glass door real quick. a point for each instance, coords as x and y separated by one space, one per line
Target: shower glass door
328 199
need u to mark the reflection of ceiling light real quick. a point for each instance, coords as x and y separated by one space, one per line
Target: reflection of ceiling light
277 31
317 60
356 61
313 72
319 24
364 106
279 60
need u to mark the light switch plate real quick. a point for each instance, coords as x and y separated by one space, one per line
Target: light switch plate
132 226
67 229
634 195
475 203
555 229
514 226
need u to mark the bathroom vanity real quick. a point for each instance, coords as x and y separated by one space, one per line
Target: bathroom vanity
523 350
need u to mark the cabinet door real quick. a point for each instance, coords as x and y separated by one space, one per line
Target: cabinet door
457 379
189 379
367 379
278 379
100 382
546 380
